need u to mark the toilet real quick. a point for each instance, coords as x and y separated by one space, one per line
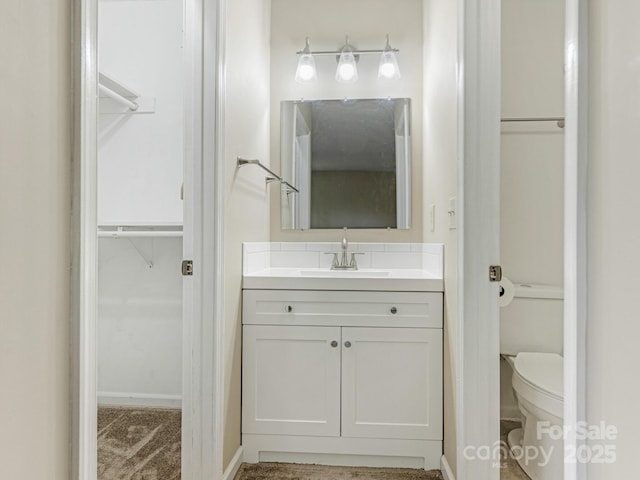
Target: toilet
531 336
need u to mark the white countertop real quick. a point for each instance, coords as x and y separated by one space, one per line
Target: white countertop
400 280
399 267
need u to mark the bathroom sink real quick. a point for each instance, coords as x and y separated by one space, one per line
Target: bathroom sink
345 273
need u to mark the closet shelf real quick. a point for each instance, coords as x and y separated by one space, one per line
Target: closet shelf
139 232
124 99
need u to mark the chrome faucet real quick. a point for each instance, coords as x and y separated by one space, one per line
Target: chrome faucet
342 263
345 249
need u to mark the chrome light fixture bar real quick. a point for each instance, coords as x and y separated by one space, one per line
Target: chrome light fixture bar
347 57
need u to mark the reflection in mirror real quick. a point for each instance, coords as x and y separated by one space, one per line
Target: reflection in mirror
350 160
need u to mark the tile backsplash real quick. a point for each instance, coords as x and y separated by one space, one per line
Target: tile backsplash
422 256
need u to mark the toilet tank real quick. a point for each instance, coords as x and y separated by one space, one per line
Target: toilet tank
533 320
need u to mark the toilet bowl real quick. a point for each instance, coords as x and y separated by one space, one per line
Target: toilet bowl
531 328
538 386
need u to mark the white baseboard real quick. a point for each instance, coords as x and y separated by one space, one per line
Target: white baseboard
124 399
511 416
510 412
446 469
234 465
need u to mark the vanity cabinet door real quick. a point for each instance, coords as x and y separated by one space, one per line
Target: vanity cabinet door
392 383
291 380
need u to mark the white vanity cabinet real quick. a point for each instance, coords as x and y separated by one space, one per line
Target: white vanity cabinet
391 383
342 377
291 380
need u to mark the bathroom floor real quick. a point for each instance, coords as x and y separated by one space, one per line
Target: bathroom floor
290 471
138 444
510 470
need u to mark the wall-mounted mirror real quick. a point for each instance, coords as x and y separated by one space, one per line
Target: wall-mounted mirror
350 161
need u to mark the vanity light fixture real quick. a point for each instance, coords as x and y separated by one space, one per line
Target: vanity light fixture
347 57
306 71
388 68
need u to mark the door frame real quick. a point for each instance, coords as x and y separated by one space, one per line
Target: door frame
575 231
84 263
203 406
477 373
203 385
478 232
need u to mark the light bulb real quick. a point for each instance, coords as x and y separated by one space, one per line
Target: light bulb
306 72
346 71
387 70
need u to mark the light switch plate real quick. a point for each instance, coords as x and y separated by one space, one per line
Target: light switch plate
432 218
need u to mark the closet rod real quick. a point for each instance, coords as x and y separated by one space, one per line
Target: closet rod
133 106
559 120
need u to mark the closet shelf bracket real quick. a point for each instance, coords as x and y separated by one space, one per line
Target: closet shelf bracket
149 263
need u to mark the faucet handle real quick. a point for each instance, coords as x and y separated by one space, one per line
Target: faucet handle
353 262
334 261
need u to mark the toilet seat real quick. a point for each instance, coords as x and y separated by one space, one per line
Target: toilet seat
538 379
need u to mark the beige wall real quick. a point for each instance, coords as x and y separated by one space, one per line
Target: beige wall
35 212
246 206
440 177
613 237
532 157
366 22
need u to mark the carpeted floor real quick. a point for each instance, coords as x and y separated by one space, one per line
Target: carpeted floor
144 444
138 444
289 471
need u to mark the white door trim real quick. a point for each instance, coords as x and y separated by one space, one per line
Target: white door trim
203 387
477 373
575 232
213 207
83 361
202 414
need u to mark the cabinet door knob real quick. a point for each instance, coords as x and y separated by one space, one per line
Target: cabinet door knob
394 310
289 309
347 344
334 344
